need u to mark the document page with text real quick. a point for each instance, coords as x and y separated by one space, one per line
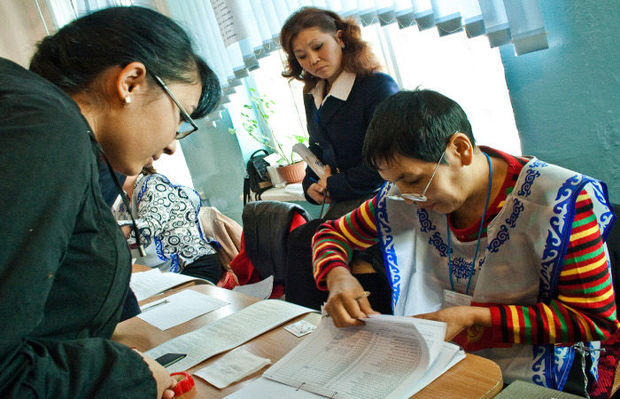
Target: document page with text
228 332
385 358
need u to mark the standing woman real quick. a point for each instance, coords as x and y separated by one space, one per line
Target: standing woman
121 81
342 87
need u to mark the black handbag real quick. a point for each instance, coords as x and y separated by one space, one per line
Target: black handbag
257 178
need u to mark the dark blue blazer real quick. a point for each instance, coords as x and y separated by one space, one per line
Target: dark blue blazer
337 132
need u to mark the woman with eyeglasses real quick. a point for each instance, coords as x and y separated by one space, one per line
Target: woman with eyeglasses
117 84
508 251
342 87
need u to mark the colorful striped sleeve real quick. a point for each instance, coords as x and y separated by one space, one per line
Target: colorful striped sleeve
584 307
335 240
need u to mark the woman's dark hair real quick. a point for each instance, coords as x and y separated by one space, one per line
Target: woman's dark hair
357 57
117 36
416 124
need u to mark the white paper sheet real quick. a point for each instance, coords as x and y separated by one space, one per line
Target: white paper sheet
228 332
263 388
232 367
388 357
261 290
154 281
178 308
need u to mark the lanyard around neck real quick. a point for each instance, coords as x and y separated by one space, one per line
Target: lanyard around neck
484 215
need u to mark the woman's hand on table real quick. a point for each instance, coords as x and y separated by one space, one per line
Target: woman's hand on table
347 301
165 383
459 318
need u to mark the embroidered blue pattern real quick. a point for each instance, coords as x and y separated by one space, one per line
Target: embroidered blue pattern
437 241
159 249
501 237
425 222
563 360
461 268
541 365
557 238
516 210
426 226
594 355
537 163
606 217
174 264
387 242
557 235
529 179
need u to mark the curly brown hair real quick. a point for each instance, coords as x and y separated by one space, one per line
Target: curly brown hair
357 57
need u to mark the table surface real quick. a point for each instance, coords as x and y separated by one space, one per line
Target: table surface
473 377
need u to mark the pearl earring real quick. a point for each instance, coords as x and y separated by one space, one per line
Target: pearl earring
127 100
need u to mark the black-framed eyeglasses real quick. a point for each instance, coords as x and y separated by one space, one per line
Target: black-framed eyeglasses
188 126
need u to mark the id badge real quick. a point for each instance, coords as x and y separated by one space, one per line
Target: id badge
453 298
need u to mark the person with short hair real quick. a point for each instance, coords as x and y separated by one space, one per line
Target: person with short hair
509 251
121 84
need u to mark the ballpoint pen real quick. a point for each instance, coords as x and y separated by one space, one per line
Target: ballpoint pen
154 305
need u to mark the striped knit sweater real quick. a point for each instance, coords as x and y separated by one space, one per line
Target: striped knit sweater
582 310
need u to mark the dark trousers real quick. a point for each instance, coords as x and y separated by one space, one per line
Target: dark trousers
207 267
130 307
300 287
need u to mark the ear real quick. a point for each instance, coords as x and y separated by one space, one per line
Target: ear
461 148
339 38
131 80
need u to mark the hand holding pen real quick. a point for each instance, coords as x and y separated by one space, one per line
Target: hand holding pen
318 190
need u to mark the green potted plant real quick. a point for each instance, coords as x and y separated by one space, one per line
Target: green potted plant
255 121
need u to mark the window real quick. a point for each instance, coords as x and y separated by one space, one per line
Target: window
465 69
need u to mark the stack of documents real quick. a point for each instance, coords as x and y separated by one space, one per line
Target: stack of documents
389 357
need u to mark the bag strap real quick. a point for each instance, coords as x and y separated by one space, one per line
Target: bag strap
246 190
259 151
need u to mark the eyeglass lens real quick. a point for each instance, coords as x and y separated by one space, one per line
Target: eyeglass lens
418 197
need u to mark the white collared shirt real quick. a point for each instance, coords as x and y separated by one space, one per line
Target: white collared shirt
341 88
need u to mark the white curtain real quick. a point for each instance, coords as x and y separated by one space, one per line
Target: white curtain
233 34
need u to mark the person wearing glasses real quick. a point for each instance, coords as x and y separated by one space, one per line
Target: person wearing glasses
167 218
117 85
509 251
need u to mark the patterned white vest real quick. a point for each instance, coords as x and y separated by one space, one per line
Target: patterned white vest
519 261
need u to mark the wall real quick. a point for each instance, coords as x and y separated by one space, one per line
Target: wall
566 98
214 159
21 28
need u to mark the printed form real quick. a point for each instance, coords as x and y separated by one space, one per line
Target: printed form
228 332
389 357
